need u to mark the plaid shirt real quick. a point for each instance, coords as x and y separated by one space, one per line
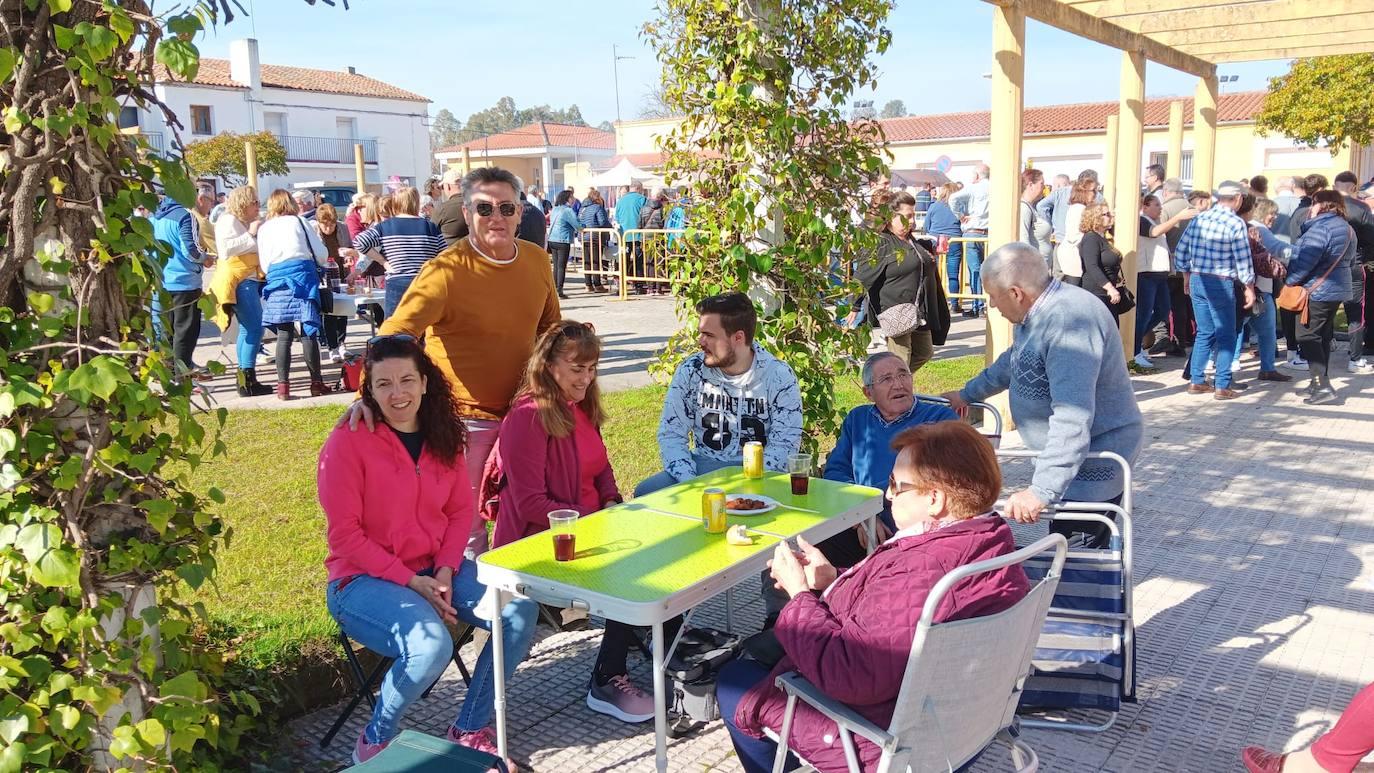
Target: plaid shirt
1216 243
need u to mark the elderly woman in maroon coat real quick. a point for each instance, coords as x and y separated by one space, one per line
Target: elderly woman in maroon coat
843 632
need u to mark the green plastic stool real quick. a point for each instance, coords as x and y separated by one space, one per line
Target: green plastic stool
412 752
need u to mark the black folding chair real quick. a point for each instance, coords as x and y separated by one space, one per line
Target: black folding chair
365 683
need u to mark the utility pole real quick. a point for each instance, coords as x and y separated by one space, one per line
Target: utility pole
615 69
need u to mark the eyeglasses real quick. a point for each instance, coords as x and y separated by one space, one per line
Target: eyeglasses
896 489
400 337
571 329
485 208
900 377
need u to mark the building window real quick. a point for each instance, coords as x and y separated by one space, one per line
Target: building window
1185 169
200 120
128 117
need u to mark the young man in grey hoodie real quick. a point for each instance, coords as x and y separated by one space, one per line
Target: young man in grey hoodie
729 393
1069 389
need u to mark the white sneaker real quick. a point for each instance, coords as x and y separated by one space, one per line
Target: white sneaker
1295 362
345 352
335 356
1361 366
1143 361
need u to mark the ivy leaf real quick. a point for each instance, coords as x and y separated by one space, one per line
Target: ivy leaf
179 56
7 60
13 726
8 441
120 22
66 717
51 562
183 685
152 732
175 181
12 756
59 6
9 476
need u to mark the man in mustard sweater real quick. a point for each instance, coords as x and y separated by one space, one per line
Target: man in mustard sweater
480 305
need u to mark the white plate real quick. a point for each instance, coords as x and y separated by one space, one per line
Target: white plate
770 503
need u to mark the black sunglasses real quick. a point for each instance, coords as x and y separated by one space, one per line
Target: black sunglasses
485 208
403 338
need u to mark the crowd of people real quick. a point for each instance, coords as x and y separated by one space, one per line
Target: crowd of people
275 267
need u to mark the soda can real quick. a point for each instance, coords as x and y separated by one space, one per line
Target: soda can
753 459
713 510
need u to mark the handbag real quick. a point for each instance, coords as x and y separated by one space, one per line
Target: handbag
900 319
326 294
1264 263
1127 301
1295 298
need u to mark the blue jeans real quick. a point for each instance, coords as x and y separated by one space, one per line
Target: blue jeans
248 310
663 479
1214 309
1262 324
396 622
957 251
396 287
1152 303
733 681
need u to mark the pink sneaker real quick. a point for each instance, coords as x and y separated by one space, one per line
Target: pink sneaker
620 698
364 751
483 740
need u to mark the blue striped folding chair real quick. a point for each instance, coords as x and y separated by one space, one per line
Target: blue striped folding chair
1084 662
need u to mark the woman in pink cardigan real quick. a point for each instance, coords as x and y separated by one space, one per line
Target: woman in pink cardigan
552 457
843 633
398 504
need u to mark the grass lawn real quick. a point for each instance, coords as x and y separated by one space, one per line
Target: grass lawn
268 598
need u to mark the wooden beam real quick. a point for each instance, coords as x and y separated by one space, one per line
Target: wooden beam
1212 47
1281 14
1265 54
1070 19
1110 157
1129 145
1280 32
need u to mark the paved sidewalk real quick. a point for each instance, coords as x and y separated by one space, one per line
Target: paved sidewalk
1254 603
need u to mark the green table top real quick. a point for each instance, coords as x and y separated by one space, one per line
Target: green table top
647 549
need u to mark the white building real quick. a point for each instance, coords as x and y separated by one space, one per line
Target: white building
317 114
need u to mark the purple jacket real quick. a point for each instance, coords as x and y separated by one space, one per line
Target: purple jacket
853 643
541 475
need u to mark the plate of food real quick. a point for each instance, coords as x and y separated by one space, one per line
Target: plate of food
748 504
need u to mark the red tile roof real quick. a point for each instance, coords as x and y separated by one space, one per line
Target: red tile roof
537 135
215 72
1062 119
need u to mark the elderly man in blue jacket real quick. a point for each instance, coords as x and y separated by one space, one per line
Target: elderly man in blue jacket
174 226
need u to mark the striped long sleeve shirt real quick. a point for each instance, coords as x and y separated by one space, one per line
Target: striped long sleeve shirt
407 243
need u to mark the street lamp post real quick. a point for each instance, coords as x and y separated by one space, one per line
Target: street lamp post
615 69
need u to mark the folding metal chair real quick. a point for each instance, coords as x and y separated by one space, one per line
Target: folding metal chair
1084 660
962 683
989 411
364 683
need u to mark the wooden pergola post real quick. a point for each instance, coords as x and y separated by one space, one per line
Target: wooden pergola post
1130 143
1204 133
250 163
1008 79
1173 165
467 159
359 168
1108 188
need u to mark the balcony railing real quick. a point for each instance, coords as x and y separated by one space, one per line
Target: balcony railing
154 140
326 150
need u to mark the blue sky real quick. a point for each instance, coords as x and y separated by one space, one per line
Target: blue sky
559 53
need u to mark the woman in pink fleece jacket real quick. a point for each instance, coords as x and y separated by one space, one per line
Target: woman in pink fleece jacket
399 506
842 631
552 457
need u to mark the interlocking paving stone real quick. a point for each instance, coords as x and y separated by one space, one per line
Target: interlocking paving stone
1254 601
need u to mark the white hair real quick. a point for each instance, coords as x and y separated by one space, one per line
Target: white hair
1016 265
871 364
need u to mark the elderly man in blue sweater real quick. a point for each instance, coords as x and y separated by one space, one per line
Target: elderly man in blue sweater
1070 393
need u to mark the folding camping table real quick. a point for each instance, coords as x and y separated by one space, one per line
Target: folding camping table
648 560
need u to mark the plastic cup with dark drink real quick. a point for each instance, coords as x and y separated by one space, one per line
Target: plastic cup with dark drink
799 466
563 527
